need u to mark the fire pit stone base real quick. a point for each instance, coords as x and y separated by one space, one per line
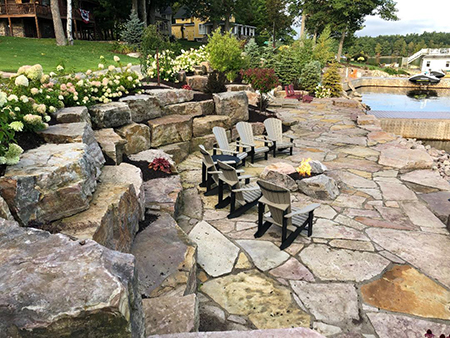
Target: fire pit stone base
319 187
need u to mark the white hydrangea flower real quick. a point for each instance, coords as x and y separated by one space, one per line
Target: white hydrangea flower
3 98
59 68
116 58
22 80
16 126
13 97
101 66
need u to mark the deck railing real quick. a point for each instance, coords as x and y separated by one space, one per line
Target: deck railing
31 9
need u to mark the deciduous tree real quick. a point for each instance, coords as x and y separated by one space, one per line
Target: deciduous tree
57 23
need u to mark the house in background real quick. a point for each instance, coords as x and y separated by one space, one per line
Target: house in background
33 19
191 28
164 21
434 59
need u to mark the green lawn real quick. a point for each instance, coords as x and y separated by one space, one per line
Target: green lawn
185 44
83 55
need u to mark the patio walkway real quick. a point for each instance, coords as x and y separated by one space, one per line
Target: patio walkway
377 264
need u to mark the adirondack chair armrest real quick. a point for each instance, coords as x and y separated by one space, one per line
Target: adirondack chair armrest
292 137
226 151
240 171
246 145
214 172
245 189
260 139
244 177
271 139
304 210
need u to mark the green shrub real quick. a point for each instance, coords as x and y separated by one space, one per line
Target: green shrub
286 66
323 50
310 77
133 30
332 81
252 54
225 54
216 83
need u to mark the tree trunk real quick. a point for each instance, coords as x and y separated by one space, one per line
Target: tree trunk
143 6
152 13
135 6
227 23
341 45
302 29
274 45
69 23
315 36
57 24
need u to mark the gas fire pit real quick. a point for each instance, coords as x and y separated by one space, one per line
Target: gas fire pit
309 177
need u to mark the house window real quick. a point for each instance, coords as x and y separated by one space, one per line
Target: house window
428 63
201 29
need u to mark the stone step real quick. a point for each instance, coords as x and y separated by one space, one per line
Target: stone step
170 129
163 194
137 137
298 332
113 217
143 107
110 115
172 314
57 287
51 182
233 105
171 96
203 125
166 260
190 108
72 115
112 145
197 82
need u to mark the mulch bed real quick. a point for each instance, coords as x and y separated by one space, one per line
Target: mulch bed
147 173
202 97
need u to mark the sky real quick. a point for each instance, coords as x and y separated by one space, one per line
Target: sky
416 16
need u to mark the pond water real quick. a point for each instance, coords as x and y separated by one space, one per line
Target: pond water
416 102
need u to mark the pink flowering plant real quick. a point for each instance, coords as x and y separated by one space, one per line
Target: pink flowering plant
28 99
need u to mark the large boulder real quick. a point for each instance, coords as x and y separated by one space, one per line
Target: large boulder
179 151
166 259
190 108
163 194
110 115
278 174
73 114
171 96
112 219
72 133
197 82
4 210
170 129
51 182
142 107
53 286
151 154
208 141
232 104
320 187
112 145
203 125
137 137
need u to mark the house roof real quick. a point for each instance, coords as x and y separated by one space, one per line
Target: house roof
167 11
183 13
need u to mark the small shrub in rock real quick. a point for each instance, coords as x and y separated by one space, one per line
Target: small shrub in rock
216 83
225 53
310 77
332 81
262 80
133 30
187 87
160 164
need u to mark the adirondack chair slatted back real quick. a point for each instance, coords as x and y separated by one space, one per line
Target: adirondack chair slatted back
222 139
209 163
291 89
278 200
274 128
245 133
230 177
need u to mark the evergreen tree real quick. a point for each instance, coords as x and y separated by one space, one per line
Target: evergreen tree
332 81
133 30
310 76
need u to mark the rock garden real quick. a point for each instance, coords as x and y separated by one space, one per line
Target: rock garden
106 232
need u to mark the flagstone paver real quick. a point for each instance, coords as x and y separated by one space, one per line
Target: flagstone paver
342 264
216 254
376 222
267 304
331 303
265 255
404 289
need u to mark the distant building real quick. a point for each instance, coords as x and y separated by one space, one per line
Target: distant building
33 19
191 28
164 21
434 59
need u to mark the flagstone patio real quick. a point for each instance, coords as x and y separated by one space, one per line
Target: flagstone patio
377 264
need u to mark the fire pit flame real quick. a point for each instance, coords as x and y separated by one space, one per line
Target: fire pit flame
304 169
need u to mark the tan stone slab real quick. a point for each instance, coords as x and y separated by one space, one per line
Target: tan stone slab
267 304
404 289
243 262
361 173
427 178
352 245
360 151
383 224
400 158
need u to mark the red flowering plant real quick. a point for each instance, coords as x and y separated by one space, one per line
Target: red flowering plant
160 164
187 87
261 79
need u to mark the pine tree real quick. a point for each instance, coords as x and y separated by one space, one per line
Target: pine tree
133 30
310 77
332 81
